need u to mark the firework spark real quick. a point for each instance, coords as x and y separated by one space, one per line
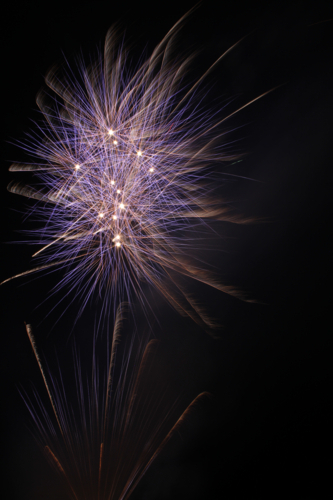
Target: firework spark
123 162
102 441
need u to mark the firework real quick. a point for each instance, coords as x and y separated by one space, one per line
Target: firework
123 163
102 441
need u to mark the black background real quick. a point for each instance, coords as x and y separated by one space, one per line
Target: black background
264 433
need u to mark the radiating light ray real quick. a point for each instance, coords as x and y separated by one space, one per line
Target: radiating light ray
33 345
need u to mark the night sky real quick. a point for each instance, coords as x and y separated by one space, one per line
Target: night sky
264 432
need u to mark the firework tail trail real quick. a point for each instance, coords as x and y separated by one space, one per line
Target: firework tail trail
131 486
60 468
33 345
39 268
115 340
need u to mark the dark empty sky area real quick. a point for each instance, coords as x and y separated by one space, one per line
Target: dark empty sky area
264 433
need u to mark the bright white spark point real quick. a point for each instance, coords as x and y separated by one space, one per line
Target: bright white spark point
77 167
151 169
112 183
111 132
118 191
139 153
118 244
122 206
101 215
114 217
115 142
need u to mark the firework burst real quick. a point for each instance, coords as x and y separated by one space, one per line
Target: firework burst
123 163
102 439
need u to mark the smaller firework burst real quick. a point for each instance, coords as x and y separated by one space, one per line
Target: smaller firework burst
103 440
